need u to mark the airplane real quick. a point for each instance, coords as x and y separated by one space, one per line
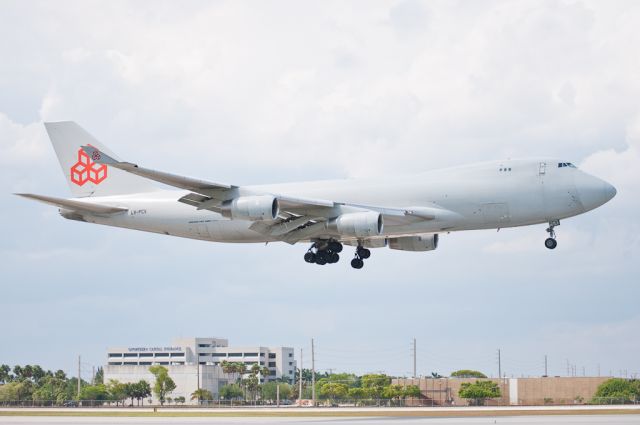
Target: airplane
405 213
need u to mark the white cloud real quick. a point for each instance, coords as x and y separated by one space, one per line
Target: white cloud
254 92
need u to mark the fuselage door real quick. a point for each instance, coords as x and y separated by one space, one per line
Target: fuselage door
542 168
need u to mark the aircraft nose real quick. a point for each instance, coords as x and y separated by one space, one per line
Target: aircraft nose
609 191
594 191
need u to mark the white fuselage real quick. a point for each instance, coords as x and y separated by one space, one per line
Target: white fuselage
479 196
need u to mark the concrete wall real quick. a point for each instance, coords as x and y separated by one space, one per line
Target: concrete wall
515 391
533 391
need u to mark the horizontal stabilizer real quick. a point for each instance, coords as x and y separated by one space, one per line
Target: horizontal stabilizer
70 204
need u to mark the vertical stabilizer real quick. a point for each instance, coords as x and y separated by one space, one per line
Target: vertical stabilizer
84 176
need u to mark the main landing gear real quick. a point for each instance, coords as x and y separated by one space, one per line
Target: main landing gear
361 254
327 252
324 252
551 242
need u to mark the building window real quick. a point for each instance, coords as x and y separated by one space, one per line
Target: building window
145 363
146 354
251 354
131 354
162 354
130 363
272 364
115 354
290 363
164 363
115 363
177 354
272 373
219 354
290 354
235 354
204 345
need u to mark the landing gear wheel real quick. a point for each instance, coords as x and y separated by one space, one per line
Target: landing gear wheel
334 258
357 263
323 256
551 242
310 257
335 246
364 253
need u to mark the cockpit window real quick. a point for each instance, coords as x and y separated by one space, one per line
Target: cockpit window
566 164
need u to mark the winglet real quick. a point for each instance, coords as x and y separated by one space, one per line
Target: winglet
97 156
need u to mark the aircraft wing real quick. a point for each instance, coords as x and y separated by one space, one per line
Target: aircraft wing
219 191
73 205
298 219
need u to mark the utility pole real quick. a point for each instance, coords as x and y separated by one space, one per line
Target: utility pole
93 375
300 380
545 366
278 395
78 377
313 374
499 365
568 367
414 359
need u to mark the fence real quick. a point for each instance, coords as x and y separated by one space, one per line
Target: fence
409 402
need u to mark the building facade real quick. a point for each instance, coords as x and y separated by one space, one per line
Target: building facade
196 363
514 391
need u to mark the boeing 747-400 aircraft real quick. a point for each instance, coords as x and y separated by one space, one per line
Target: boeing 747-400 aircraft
401 212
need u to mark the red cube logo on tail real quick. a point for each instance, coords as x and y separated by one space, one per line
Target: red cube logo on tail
85 170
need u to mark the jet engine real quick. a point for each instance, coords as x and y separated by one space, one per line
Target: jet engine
253 208
423 242
360 224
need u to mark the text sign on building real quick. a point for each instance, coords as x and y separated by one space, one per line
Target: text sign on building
154 349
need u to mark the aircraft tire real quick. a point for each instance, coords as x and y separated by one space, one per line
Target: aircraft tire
335 246
310 257
550 243
357 263
364 253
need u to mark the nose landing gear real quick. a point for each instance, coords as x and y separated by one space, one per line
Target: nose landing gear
551 242
361 254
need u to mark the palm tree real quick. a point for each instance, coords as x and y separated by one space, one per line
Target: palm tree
201 394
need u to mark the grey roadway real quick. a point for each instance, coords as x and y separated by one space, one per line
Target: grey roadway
516 420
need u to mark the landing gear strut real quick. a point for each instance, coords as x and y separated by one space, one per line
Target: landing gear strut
323 252
551 242
361 254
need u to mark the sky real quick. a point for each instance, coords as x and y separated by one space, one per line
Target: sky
262 92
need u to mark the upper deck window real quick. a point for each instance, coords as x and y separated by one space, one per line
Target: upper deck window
566 164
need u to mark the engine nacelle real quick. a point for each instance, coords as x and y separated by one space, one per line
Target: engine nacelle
253 208
423 242
361 224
